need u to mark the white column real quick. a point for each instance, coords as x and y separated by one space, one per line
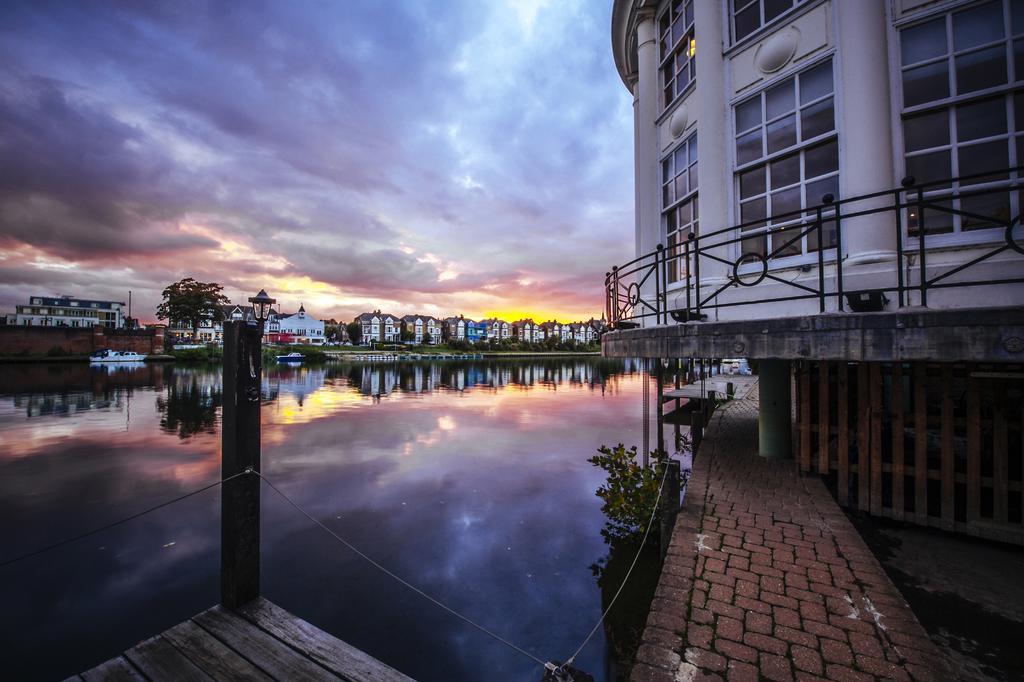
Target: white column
865 130
648 184
712 135
635 89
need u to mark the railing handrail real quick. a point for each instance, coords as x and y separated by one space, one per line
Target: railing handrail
628 286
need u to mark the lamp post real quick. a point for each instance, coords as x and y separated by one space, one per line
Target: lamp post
262 305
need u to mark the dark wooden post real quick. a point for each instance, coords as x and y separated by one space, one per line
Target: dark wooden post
240 450
696 430
669 504
661 403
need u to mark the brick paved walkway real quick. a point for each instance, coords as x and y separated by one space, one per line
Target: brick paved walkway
767 579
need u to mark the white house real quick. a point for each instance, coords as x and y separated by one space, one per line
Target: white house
422 326
526 330
299 327
454 328
496 329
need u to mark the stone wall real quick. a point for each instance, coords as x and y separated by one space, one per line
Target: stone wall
19 340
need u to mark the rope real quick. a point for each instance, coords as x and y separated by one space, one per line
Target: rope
409 585
643 542
67 541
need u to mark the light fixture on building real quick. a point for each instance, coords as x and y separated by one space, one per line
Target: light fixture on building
261 306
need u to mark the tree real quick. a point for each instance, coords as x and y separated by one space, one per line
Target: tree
355 332
426 340
192 302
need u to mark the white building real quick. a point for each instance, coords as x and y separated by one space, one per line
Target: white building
454 328
65 311
298 327
839 177
497 330
526 330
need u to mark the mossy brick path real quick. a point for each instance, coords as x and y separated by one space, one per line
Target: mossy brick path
766 579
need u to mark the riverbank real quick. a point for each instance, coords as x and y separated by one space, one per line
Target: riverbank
30 359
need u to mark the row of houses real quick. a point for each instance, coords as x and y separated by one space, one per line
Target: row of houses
384 328
298 327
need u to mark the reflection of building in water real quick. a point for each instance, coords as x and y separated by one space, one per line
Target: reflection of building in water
297 382
43 390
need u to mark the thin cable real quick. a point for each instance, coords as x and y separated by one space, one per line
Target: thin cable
629 572
67 541
412 587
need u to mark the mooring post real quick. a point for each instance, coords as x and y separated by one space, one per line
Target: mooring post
696 429
669 504
660 383
240 450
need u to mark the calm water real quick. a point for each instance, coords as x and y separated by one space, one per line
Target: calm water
468 479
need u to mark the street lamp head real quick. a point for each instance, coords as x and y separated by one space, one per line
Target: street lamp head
261 305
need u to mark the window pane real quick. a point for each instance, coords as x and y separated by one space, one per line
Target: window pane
922 42
995 206
666 170
667 195
681 185
785 242
978 158
817 119
692 150
828 230
782 134
773 8
982 69
926 130
779 100
935 221
1018 59
748 147
978 25
1017 12
981 119
786 201
752 182
1018 111
821 159
756 245
785 171
929 167
693 177
816 82
685 213
925 84
680 157
748 114
752 210
748 20
819 188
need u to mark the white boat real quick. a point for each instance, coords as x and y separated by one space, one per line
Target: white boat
108 355
291 357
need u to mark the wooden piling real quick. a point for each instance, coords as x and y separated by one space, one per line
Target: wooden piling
240 450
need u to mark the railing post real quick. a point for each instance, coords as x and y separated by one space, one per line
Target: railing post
660 285
696 271
608 296
821 262
660 387
923 274
240 450
686 251
906 183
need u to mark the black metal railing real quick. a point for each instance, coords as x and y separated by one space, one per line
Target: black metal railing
813 238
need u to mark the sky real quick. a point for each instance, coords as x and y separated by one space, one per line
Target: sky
442 157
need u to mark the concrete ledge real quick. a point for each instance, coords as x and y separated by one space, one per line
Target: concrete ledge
976 334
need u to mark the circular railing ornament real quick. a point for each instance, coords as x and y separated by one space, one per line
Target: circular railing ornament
633 294
741 261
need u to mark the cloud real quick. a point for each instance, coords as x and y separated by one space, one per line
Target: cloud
423 155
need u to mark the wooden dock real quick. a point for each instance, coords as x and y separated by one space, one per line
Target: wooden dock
257 641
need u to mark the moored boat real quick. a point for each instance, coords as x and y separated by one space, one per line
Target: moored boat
291 357
108 355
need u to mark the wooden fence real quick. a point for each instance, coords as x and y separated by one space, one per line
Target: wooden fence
939 444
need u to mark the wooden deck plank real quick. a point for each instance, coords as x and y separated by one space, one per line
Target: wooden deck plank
875 398
158 659
1000 461
115 670
863 438
804 393
946 454
210 654
265 651
325 649
921 443
973 449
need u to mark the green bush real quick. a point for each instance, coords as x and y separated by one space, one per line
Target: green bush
56 352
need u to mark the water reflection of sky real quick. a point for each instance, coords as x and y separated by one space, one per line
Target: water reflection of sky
468 479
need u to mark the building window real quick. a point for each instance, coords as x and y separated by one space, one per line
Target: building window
750 15
678 49
680 213
963 110
787 160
